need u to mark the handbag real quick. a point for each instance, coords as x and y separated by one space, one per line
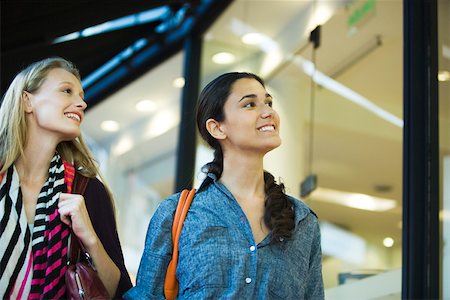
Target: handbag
82 281
171 282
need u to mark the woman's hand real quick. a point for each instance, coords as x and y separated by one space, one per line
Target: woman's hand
72 209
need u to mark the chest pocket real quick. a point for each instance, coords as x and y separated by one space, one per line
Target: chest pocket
204 260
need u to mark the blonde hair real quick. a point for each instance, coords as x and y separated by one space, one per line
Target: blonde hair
13 127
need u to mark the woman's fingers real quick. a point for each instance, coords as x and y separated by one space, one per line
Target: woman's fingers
73 212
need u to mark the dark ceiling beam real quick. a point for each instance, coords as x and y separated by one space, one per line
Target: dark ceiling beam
30 22
29 27
171 43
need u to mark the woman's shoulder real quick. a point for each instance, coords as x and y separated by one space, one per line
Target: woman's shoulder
96 188
167 207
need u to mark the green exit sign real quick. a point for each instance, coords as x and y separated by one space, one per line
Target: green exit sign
361 13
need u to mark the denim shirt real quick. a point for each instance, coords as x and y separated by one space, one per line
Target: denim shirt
218 256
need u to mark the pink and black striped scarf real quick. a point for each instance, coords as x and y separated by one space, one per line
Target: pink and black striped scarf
33 262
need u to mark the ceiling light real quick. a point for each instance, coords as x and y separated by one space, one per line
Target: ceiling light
178 82
353 200
366 202
388 242
344 91
162 122
223 58
444 76
253 38
124 145
110 126
146 105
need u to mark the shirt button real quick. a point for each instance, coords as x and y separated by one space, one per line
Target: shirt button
252 248
248 280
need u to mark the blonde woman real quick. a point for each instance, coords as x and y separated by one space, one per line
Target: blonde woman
40 148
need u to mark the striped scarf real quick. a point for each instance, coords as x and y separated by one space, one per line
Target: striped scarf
32 265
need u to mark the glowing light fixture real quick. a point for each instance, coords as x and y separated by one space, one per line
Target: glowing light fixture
253 38
388 242
444 76
116 24
178 82
162 122
124 145
354 200
223 58
145 105
110 126
349 94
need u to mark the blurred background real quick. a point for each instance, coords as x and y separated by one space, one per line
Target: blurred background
340 99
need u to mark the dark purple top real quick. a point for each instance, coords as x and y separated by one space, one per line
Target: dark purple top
102 217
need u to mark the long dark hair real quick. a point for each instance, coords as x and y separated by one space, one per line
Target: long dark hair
278 212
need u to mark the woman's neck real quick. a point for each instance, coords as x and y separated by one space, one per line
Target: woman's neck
33 165
244 176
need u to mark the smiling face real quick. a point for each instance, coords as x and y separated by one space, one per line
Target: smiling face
57 107
250 122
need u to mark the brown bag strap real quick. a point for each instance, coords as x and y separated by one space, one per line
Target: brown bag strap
80 183
171 282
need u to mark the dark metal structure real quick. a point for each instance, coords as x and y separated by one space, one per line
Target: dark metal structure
420 266
29 28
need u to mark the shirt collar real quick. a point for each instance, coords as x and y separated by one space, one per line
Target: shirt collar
301 210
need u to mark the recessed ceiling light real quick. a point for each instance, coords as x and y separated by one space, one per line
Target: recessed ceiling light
388 242
252 38
146 105
178 82
444 75
223 58
110 126
353 200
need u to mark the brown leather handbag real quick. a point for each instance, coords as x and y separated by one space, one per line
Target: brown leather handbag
82 281
171 282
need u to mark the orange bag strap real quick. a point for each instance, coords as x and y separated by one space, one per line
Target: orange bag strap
171 282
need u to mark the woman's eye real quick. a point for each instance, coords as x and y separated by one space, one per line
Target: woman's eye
269 103
249 104
67 91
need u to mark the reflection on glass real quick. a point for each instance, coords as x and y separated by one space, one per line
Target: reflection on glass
444 141
358 121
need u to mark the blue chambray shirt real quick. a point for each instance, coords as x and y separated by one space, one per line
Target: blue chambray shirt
218 256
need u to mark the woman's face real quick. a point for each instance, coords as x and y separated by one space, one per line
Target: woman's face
250 122
57 107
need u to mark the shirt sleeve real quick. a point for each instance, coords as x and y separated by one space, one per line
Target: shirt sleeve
101 213
157 254
314 286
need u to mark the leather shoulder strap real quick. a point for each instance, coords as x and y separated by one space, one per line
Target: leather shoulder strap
80 183
171 282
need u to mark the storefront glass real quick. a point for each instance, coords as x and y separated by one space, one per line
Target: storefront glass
341 121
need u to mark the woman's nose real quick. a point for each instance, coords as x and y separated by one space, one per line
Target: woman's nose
266 112
81 104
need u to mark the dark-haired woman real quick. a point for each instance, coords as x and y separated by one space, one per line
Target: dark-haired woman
243 237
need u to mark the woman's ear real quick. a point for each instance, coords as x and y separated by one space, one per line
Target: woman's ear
28 108
215 130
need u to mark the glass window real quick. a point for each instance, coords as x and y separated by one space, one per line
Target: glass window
341 120
138 156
